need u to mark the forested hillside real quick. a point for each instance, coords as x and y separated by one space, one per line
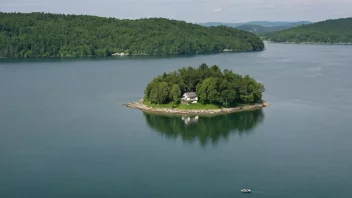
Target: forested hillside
54 35
330 31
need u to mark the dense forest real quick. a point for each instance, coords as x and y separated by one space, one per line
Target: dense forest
24 35
212 86
329 32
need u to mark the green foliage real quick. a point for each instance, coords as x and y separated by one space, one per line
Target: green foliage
207 90
160 93
175 94
182 106
211 85
26 35
330 31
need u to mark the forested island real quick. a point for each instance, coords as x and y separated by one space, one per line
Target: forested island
338 31
27 35
199 89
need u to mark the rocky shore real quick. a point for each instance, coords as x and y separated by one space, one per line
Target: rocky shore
139 105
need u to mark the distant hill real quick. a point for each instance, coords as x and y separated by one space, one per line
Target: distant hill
259 27
261 23
26 35
329 32
276 23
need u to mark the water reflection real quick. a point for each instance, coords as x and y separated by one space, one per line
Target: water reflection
206 130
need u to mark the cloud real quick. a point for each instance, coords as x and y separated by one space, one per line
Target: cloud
217 10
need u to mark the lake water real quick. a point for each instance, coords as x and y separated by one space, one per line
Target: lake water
64 131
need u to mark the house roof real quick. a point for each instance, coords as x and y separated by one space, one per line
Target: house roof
190 94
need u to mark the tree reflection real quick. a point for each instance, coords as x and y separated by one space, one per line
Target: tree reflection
204 129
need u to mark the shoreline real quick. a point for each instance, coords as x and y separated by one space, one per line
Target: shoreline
308 43
131 55
170 111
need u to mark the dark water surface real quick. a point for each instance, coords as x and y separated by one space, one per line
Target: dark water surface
64 133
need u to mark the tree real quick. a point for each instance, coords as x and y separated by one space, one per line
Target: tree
202 90
159 93
175 94
208 91
228 97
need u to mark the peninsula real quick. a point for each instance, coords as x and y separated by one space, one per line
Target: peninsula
337 31
203 90
34 35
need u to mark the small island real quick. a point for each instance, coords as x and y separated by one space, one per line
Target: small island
204 90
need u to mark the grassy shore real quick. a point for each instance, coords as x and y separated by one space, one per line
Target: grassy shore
197 106
184 106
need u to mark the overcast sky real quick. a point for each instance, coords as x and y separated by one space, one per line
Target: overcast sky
191 10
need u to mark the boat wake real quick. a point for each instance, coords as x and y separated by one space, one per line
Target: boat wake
259 192
265 194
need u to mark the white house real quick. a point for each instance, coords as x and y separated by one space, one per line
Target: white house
189 97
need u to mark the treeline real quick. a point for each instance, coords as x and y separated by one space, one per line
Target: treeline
329 32
24 35
211 85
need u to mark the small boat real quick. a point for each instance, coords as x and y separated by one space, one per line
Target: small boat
246 190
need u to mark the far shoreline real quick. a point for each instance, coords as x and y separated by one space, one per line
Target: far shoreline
208 112
307 43
130 56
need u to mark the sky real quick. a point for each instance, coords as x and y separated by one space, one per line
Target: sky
195 11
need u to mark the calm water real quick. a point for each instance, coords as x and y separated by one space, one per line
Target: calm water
64 133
